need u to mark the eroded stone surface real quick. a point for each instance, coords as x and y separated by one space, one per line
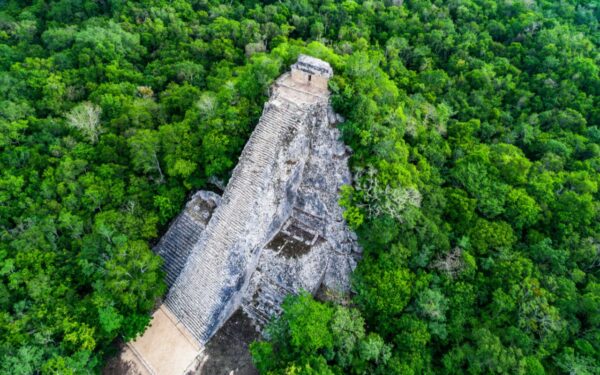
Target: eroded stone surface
255 203
277 229
314 246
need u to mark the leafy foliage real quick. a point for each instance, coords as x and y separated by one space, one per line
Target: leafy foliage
474 125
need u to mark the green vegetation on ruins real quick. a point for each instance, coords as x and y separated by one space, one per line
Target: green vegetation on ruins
476 139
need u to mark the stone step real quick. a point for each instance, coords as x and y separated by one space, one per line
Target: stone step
312 220
259 318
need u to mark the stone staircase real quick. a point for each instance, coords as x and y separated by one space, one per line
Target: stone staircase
211 275
184 232
266 302
175 246
304 227
276 230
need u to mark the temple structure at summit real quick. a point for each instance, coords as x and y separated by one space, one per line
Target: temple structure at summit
276 229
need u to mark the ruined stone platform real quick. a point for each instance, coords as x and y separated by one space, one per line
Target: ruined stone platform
276 230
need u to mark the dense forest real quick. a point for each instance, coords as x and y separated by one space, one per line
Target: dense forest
474 126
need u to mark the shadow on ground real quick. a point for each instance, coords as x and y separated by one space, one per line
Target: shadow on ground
227 352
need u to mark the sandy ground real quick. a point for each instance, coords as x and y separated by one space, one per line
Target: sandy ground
166 348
